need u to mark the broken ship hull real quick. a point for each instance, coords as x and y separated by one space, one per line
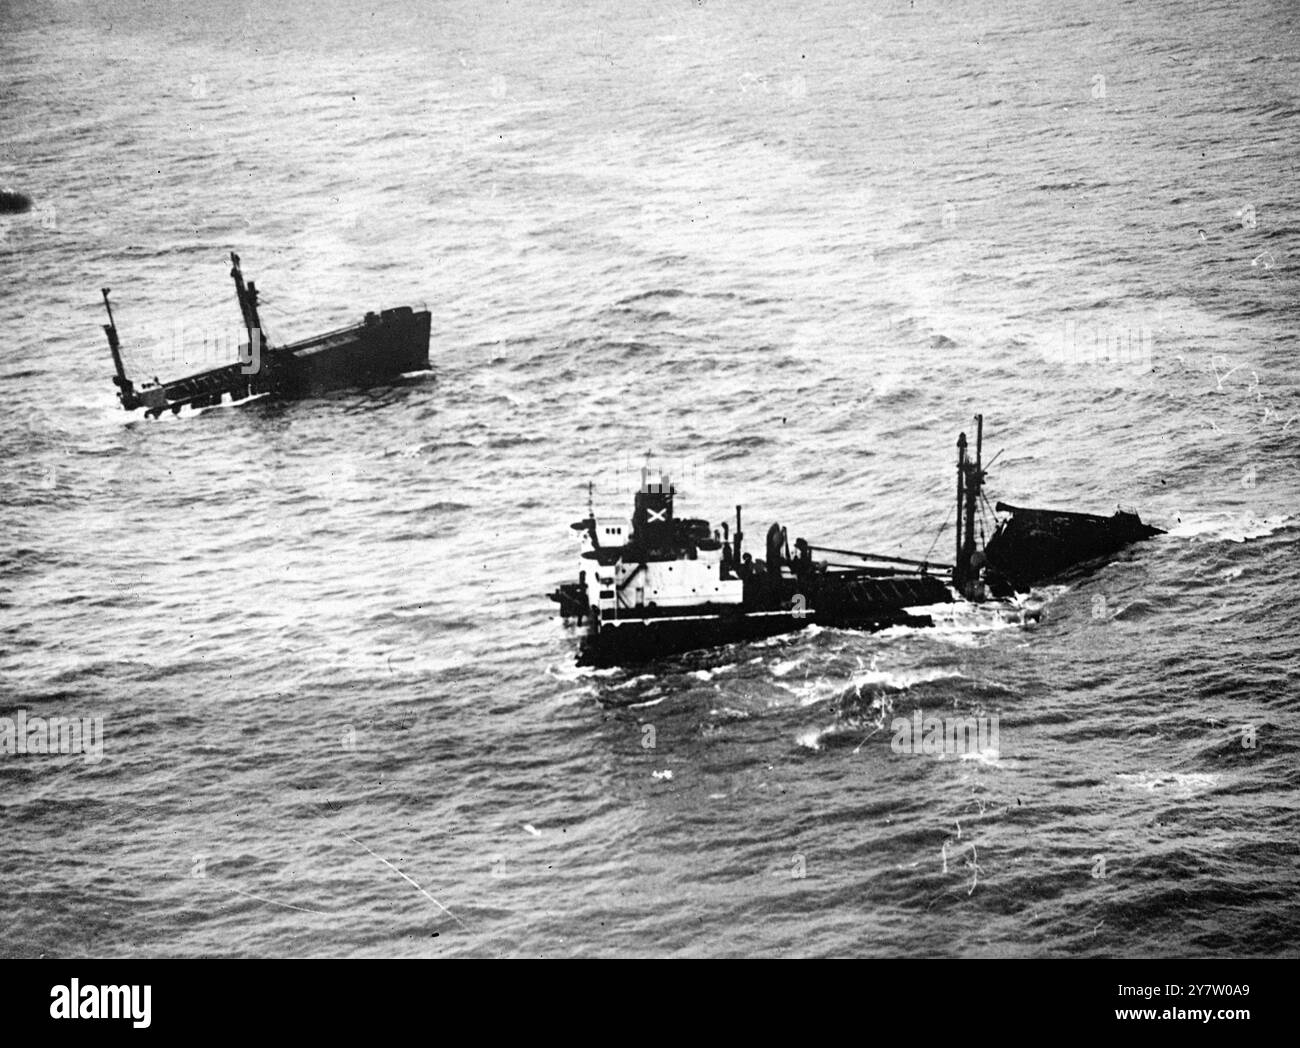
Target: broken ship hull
1034 545
380 348
667 586
394 343
672 586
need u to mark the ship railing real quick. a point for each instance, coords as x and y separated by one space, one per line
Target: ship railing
315 339
344 330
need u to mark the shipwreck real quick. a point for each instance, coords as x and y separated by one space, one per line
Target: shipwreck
661 584
381 347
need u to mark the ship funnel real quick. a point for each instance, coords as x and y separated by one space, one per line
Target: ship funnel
654 482
652 519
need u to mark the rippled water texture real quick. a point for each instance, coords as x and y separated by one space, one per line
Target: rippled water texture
790 250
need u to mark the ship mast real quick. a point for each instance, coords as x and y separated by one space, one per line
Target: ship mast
970 481
247 306
961 502
125 387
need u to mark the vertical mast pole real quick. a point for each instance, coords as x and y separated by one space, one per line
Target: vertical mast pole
124 385
247 296
973 489
971 477
959 573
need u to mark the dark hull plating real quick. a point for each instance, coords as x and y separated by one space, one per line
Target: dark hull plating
631 642
380 348
353 358
1035 545
772 606
396 343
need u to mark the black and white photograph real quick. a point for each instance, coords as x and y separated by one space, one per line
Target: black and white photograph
692 479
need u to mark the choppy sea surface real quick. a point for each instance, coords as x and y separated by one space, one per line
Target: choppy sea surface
788 249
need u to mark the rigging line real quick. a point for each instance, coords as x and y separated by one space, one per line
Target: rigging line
983 522
992 512
937 534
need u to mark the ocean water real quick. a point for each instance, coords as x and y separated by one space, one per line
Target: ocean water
788 250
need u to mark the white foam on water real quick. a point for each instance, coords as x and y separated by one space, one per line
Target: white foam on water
633 682
989 757
1226 527
1183 783
782 668
572 672
811 738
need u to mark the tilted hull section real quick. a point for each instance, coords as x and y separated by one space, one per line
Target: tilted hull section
380 348
395 342
1034 545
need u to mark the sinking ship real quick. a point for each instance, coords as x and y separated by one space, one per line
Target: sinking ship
660 584
380 348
